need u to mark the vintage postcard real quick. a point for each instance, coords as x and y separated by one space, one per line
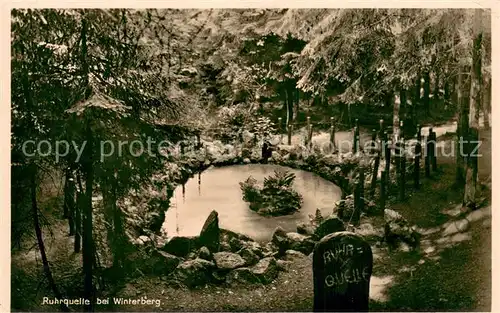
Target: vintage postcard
250 158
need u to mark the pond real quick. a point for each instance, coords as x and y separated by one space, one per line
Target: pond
218 189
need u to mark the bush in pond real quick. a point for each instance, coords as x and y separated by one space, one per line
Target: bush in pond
251 192
275 198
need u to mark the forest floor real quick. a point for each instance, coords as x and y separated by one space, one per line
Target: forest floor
451 271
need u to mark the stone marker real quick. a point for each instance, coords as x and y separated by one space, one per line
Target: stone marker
342 268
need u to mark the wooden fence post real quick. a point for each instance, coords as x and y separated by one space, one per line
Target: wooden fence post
355 140
434 150
416 169
397 156
356 129
280 129
383 189
427 159
402 169
387 148
381 130
357 204
375 173
309 132
362 188
373 143
290 130
332 135
198 140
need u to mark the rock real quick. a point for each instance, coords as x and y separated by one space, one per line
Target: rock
224 246
275 156
228 260
249 256
266 270
194 273
283 265
210 232
305 229
227 235
392 216
300 243
254 247
191 256
280 239
235 244
247 161
398 230
291 255
331 224
269 249
143 240
205 254
263 272
181 246
369 233
161 263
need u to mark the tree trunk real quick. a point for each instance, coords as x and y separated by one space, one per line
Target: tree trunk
462 95
88 245
395 118
290 104
402 105
436 86
297 100
65 190
470 194
416 92
486 104
41 245
120 239
114 227
69 202
427 89
107 201
78 217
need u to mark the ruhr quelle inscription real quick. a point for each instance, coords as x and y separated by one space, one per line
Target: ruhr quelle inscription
342 267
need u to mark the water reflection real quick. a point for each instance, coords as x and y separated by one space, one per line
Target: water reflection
221 192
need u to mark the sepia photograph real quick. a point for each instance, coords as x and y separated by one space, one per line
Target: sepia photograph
250 159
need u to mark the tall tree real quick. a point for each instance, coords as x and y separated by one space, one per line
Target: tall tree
470 195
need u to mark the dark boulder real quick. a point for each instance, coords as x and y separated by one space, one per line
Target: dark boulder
228 260
210 232
331 224
193 273
249 256
205 254
305 229
264 272
181 246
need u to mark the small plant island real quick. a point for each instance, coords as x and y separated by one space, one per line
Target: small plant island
275 198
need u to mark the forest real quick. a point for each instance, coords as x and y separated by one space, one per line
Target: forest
92 214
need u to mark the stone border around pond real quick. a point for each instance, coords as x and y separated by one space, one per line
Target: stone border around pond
224 257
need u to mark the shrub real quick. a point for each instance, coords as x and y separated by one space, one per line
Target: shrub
251 192
275 198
